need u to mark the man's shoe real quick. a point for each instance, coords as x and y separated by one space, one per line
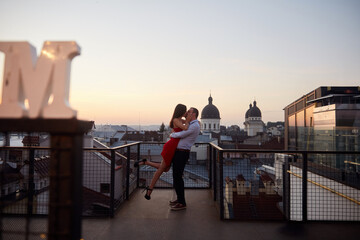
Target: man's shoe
178 206
172 203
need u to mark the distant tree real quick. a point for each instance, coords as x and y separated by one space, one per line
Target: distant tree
233 130
162 127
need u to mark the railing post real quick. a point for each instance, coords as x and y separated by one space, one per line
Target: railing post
138 169
221 183
127 172
112 185
215 172
65 196
304 186
286 189
210 166
7 139
31 187
65 171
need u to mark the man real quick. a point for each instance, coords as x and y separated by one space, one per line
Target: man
181 156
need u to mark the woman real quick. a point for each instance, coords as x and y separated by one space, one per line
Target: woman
177 123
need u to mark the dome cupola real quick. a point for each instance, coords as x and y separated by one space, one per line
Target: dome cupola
253 123
210 111
254 111
210 118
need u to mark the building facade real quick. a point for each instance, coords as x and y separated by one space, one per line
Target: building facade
326 119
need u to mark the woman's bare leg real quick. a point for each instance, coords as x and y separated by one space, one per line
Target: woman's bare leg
167 168
153 164
157 175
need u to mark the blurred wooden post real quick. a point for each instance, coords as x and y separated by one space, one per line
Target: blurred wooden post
65 201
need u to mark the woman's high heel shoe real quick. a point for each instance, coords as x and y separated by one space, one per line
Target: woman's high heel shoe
147 196
137 163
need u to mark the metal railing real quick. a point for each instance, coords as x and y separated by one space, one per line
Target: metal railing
301 187
291 185
109 177
25 178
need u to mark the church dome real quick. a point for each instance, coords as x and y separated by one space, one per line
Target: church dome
254 111
210 111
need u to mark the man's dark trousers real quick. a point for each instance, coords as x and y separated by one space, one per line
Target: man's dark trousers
179 160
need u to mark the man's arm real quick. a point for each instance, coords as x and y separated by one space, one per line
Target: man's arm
192 128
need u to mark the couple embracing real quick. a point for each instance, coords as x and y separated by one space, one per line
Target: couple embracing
176 151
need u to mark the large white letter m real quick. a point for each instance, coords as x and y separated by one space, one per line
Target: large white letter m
35 81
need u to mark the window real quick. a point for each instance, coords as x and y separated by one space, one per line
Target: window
214 126
204 125
104 187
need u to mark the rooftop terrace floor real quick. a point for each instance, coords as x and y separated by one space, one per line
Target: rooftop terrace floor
142 219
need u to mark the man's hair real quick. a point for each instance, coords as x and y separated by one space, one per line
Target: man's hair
195 111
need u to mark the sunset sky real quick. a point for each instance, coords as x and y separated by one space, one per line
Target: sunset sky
140 58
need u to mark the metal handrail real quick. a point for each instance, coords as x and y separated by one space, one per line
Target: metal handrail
217 147
86 148
211 144
353 163
126 145
282 151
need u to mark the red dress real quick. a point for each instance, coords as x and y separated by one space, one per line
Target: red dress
169 148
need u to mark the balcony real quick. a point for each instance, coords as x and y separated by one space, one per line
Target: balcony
142 219
305 199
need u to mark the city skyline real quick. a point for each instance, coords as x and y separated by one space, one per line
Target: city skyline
139 59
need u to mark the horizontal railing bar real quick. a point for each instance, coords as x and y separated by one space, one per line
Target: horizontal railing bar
354 163
27 148
281 151
126 145
212 144
216 146
86 148
17 232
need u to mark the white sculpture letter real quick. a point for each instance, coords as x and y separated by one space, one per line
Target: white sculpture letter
36 79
